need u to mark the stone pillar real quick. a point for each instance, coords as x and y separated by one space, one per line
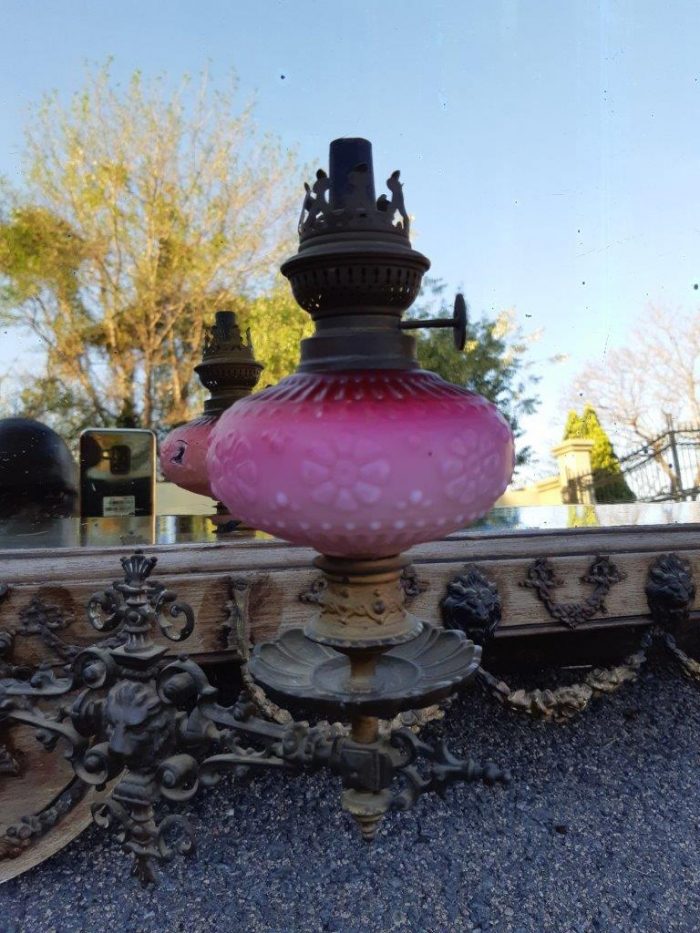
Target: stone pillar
575 472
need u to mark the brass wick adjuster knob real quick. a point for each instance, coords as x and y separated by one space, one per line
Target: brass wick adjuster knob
458 322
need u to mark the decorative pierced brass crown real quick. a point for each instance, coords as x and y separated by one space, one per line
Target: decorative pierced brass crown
359 211
355 265
224 336
228 368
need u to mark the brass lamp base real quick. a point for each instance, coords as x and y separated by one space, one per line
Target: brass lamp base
362 653
362 657
151 725
298 672
362 605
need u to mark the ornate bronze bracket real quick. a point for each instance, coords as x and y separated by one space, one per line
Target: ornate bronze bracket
42 621
151 727
542 578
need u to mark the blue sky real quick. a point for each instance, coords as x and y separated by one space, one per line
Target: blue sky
550 150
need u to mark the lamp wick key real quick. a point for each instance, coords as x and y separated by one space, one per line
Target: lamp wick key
458 322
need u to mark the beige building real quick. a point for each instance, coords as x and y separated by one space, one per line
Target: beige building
574 461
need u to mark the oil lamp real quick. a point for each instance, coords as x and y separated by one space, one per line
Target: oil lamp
230 372
361 454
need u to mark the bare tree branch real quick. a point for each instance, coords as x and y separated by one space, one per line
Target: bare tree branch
658 372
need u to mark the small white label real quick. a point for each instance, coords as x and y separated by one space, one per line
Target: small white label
119 505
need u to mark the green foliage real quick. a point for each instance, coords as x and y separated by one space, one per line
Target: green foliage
277 325
38 250
494 362
50 401
582 516
609 482
145 211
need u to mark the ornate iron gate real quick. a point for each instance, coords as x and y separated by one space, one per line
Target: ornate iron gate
665 469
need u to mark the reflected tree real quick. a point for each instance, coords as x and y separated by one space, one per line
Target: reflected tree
146 209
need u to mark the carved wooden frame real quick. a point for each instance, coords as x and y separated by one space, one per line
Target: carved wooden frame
248 590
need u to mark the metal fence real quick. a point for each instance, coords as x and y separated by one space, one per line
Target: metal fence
665 469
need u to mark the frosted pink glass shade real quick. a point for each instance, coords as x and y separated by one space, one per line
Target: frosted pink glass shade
183 455
360 464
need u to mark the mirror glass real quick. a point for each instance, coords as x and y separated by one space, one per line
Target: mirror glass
152 173
133 531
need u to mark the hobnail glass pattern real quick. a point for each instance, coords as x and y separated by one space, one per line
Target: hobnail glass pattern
183 455
362 463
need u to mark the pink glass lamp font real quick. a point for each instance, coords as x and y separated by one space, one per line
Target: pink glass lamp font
361 464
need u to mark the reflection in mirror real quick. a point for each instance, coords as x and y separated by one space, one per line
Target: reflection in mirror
139 207
136 531
38 484
117 472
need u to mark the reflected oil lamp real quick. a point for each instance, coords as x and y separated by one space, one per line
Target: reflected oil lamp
229 371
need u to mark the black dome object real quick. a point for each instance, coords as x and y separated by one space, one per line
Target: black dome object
37 470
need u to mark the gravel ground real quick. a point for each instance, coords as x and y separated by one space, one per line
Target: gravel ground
598 831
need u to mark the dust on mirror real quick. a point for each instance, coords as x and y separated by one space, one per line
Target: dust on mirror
140 293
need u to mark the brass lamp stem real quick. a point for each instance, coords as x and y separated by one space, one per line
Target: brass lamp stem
363 665
365 729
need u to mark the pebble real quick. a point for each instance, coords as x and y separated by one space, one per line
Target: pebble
591 835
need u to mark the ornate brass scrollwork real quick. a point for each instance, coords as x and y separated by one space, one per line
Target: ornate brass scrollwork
150 725
542 578
472 603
